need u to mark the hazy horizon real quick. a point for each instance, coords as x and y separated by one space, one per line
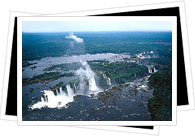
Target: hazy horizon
101 31
95 26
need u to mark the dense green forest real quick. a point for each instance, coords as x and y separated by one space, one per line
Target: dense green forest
160 105
54 44
45 77
118 72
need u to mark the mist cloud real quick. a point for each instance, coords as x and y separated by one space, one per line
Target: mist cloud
74 37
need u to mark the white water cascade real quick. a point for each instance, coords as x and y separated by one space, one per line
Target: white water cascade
60 98
87 73
92 84
155 70
149 70
152 69
50 100
108 81
69 91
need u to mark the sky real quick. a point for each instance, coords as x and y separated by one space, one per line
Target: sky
79 26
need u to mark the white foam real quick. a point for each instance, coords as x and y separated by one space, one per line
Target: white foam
62 98
51 100
87 73
69 91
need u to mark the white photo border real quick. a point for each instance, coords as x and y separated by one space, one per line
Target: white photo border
14 14
154 131
130 8
8 64
99 123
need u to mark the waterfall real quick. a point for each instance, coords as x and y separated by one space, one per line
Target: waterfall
49 99
75 87
86 73
57 92
155 70
61 90
149 69
61 99
108 81
92 84
69 91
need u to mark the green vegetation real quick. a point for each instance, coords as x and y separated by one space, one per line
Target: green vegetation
39 45
64 67
109 94
161 61
73 83
118 72
58 85
160 105
45 77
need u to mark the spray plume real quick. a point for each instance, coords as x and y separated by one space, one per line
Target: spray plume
74 37
59 98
